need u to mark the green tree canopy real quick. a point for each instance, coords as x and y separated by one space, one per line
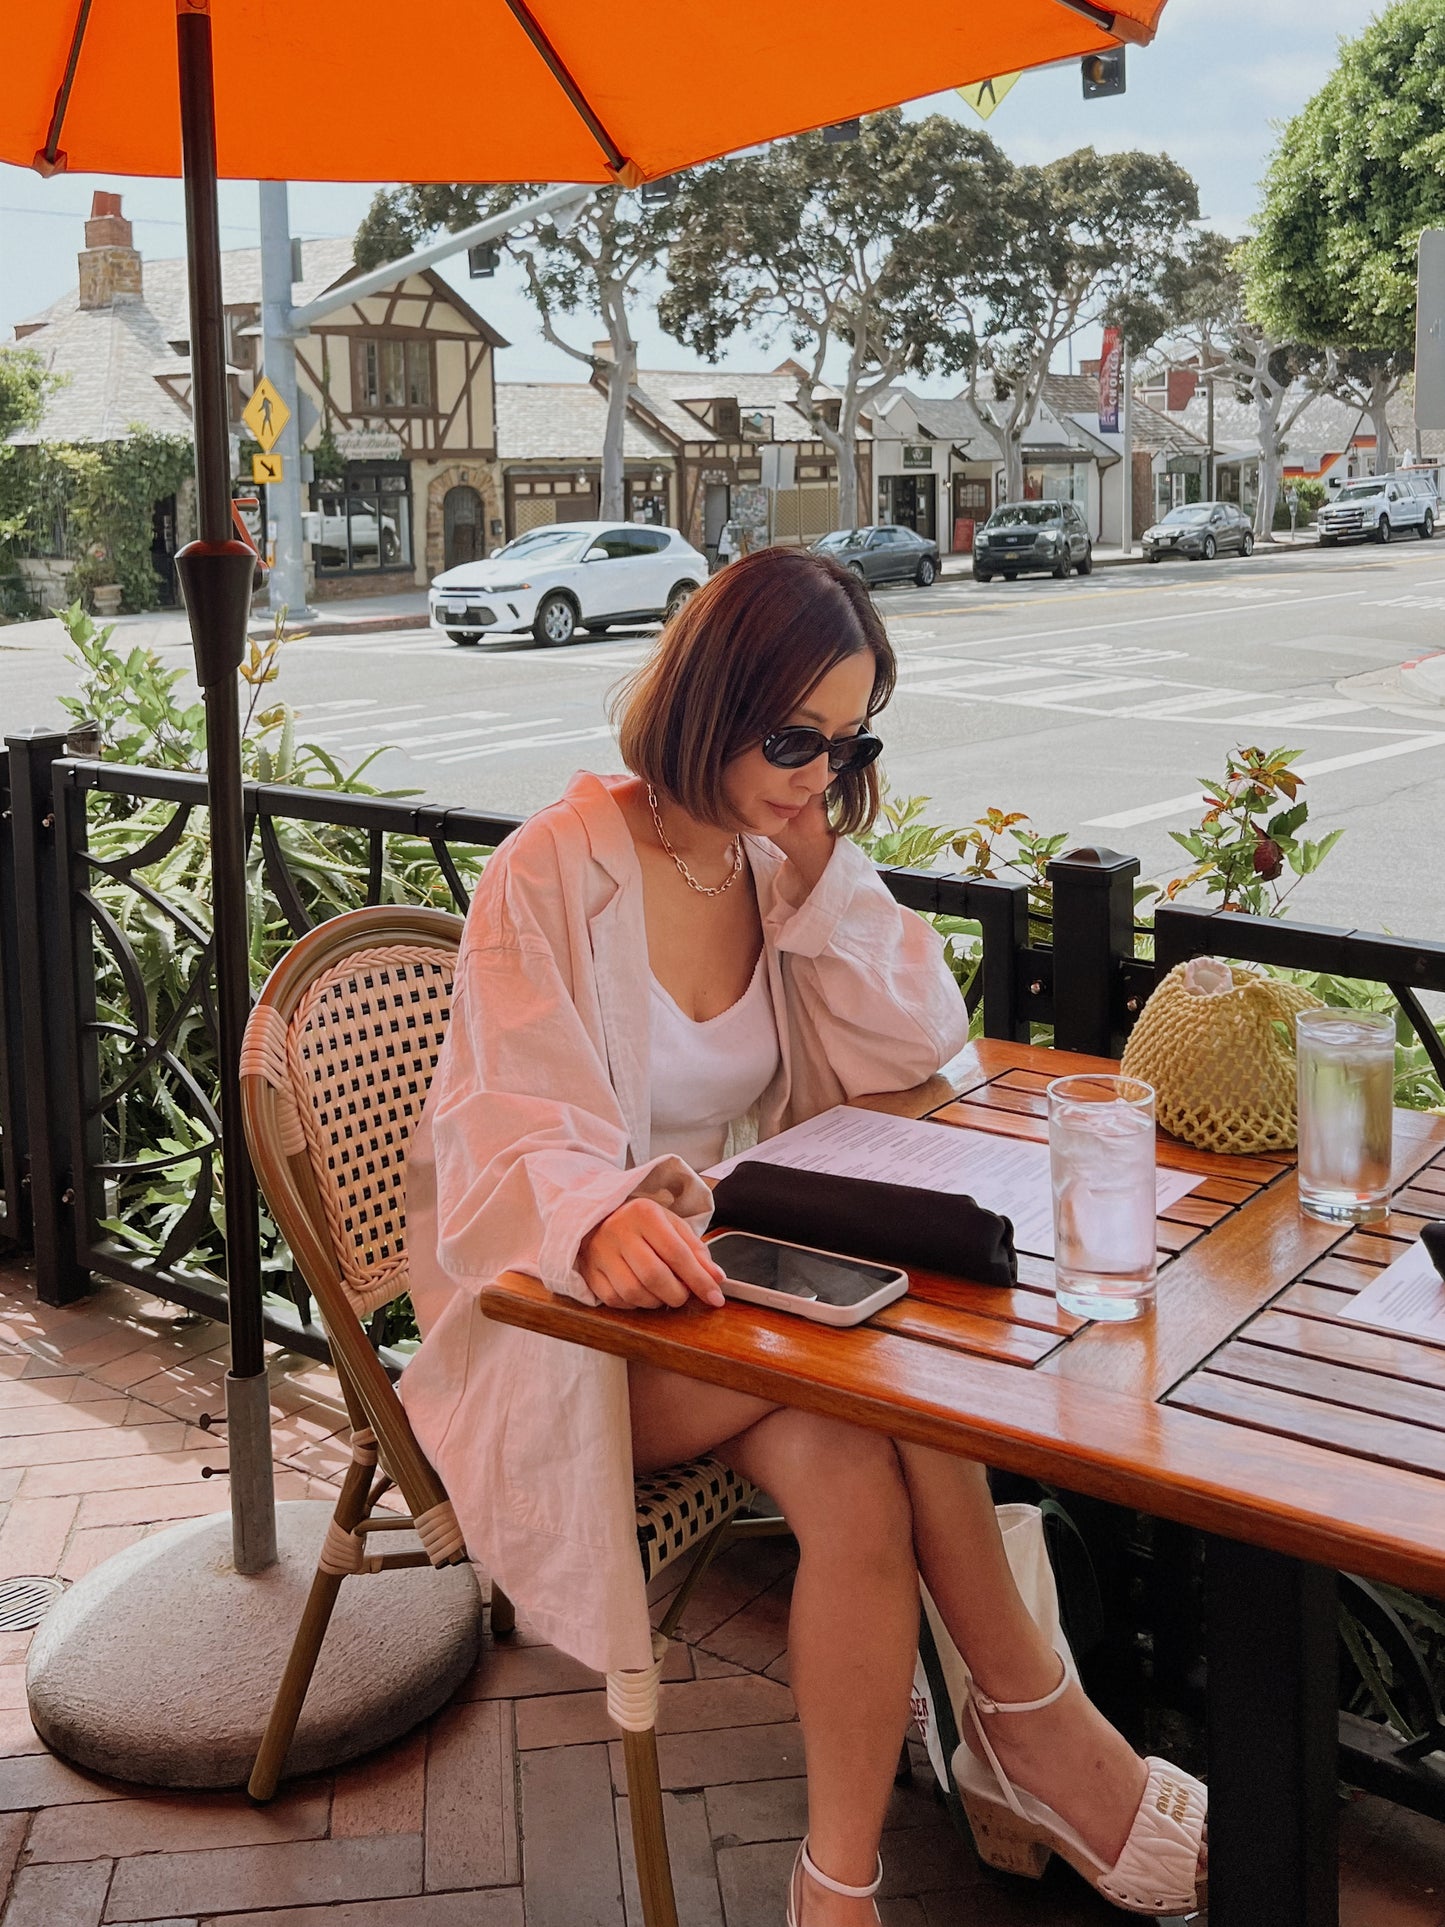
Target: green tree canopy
24 385
1090 238
589 265
1205 293
869 247
1356 176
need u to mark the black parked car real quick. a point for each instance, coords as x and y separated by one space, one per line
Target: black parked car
1201 530
884 553
1020 536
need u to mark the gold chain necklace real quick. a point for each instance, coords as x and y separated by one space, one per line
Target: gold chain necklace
687 876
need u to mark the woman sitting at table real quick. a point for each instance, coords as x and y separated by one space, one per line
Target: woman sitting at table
658 969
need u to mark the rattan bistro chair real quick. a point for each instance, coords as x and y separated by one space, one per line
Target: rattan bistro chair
338 1056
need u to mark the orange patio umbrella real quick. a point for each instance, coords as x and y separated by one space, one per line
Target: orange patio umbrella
499 90
437 90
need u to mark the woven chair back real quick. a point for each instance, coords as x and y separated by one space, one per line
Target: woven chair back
344 1038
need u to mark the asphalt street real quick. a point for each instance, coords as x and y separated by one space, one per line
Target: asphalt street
1094 705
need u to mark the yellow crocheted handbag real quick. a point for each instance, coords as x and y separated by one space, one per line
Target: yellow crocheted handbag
1217 1044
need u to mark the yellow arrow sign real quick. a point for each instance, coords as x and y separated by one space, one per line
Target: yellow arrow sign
265 414
984 95
266 468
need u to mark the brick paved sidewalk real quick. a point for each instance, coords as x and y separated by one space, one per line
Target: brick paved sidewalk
507 1810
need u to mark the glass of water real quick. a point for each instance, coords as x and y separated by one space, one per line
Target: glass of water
1346 1067
1101 1162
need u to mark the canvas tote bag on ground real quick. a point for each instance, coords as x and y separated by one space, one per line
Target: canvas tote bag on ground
942 1675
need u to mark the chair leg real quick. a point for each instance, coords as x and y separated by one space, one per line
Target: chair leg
649 1833
504 1613
702 1559
306 1647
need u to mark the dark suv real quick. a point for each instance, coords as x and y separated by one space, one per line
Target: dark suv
1020 536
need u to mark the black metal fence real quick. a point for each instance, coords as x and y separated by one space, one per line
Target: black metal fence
107 1002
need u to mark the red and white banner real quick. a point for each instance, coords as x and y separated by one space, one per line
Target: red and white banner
1111 365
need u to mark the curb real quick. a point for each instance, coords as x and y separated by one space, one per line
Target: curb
1423 677
356 626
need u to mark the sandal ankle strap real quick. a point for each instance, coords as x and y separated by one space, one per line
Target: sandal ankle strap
986 1705
815 1872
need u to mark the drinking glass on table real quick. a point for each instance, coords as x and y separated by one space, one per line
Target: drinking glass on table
1346 1068
1101 1163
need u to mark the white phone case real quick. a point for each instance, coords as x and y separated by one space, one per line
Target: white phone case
820 1314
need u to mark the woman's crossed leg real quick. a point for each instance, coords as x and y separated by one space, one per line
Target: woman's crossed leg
868 1513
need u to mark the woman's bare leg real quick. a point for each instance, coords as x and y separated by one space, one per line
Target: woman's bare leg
1068 1754
853 1630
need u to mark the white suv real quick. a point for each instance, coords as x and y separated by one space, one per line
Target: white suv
1378 508
569 576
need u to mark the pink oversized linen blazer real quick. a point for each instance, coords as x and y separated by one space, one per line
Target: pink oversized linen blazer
538 1125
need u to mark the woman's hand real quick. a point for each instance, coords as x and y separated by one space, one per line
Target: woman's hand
641 1257
807 842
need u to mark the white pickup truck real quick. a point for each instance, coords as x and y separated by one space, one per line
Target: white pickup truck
1377 509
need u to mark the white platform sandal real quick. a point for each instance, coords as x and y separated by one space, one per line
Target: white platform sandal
805 1867
1158 1871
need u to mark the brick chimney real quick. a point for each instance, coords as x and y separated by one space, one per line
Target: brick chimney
1182 384
109 264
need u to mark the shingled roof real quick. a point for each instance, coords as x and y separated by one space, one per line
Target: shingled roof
564 421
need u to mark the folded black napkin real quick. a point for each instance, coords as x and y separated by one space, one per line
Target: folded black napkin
896 1224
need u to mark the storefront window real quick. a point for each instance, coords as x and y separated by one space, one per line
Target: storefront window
1056 481
909 501
365 521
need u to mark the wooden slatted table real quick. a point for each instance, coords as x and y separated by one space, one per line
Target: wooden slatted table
1245 1406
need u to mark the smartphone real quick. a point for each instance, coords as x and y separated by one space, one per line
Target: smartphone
822 1285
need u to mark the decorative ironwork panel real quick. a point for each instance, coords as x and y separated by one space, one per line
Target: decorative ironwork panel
137 956
14 1217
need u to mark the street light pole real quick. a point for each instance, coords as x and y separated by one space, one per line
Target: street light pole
1127 429
287 589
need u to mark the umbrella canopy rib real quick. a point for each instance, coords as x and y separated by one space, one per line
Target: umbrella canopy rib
1118 24
48 161
560 72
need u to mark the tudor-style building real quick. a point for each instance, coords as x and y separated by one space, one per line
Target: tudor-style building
397 408
695 453
405 439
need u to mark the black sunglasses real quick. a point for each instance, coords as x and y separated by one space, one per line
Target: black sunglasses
797 746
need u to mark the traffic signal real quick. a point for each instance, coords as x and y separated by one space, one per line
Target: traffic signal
841 130
659 193
1103 73
483 260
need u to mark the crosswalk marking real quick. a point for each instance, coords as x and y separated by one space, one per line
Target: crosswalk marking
593 735
1180 805
413 745
397 719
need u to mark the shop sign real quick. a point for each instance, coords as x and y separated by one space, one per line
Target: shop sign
1111 372
368 444
918 455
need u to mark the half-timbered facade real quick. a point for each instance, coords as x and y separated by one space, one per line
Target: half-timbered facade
404 438
397 397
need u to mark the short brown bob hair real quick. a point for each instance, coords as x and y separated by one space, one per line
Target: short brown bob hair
734 663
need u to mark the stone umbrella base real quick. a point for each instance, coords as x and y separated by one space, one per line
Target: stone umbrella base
160 1666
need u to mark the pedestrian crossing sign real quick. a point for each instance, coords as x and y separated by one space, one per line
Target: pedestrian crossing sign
265 414
266 468
984 95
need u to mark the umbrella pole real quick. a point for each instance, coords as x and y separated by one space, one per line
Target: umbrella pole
215 575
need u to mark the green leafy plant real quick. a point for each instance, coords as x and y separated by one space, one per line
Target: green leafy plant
1029 858
93 505
144 717
1249 835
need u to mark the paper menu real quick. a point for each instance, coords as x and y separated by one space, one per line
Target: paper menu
1005 1174
1408 1299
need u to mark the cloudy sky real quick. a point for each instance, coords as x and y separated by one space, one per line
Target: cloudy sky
1210 91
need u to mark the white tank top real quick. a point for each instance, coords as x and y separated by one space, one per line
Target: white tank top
706 1075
